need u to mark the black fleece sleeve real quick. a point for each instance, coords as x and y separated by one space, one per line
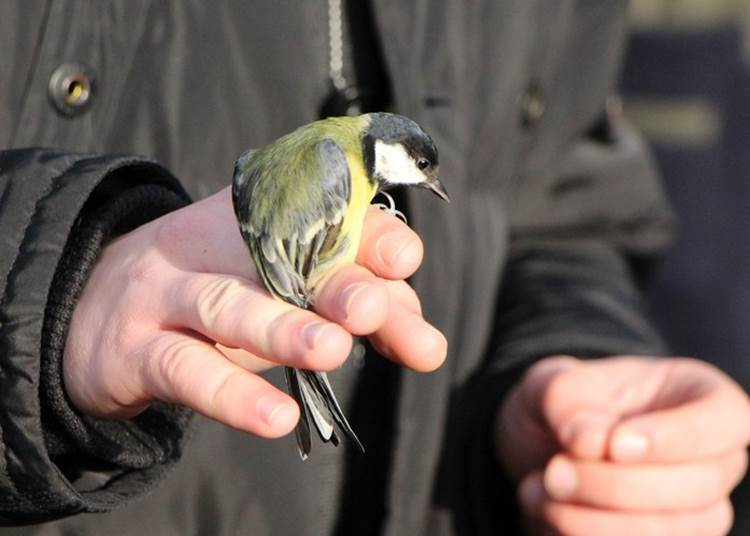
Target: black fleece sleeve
56 212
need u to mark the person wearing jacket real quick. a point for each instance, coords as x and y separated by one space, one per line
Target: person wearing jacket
125 306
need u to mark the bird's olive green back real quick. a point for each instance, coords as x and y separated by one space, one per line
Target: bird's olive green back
290 198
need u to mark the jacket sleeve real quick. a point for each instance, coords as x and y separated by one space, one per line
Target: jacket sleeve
583 240
56 212
582 244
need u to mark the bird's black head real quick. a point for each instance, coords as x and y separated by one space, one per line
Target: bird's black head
397 151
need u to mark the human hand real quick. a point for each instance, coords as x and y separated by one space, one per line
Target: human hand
175 311
625 445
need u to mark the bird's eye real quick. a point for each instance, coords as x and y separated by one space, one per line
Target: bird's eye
423 163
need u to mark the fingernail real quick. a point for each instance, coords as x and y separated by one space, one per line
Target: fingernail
629 446
391 245
311 333
584 423
560 479
531 495
349 294
273 409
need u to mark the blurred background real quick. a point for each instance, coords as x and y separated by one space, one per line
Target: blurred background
686 86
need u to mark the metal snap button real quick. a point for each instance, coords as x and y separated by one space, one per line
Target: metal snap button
532 104
70 88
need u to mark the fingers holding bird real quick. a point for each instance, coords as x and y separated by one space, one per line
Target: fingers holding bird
393 251
354 298
237 313
372 298
406 337
185 370
389 248
256 331
221 297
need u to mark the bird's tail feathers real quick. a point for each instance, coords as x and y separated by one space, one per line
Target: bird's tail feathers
316 400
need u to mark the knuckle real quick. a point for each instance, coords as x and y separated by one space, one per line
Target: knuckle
173 229
141 269
548 368
714 483
742 460
181 228
165 366
218 393
710 375
744 404
405 293
563 520
118 339
724 518
558 384
171 359
278 332
713 479
738 400
734 470
215 298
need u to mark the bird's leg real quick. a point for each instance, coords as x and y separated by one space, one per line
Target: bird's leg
391 207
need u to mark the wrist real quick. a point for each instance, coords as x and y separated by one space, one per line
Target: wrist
114 208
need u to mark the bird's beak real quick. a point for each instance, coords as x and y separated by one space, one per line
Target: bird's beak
438 189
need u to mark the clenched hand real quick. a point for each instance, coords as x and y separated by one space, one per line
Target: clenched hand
626 445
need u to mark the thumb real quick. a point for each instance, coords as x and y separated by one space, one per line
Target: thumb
576 402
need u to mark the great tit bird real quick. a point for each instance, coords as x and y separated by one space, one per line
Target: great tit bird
301 202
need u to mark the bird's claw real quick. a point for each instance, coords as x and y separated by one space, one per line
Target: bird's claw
390 208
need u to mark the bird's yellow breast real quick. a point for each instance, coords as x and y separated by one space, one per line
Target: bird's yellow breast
362 192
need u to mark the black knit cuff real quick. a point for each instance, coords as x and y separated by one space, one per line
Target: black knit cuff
92 452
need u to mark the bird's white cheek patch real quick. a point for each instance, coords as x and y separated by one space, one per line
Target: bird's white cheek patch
394 164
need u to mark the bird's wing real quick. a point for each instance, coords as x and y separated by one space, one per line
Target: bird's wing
291 225
240 181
